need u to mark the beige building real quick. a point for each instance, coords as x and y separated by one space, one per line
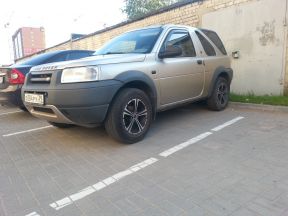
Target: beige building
255 31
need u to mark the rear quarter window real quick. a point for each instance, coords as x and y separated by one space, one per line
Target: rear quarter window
208 48
216 40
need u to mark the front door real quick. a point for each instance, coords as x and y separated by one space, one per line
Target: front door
180 77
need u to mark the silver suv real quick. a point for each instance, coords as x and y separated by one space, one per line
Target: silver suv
130 79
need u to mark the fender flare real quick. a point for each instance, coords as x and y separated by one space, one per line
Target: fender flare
138 76
220 71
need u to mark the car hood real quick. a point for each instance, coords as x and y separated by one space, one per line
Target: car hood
92 60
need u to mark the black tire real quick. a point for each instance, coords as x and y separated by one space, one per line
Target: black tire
60 125
130 116
23 108
220 96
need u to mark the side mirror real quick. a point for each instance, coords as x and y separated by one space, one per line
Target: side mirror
169 52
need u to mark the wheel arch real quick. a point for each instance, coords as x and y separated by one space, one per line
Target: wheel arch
139 80
226 73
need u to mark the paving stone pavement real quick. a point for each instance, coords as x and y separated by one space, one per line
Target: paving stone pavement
241 170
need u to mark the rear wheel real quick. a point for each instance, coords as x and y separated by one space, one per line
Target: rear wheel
220 95
60 125
130 116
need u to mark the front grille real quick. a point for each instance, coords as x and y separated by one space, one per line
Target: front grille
40 77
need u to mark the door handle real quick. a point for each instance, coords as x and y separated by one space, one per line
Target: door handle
199 62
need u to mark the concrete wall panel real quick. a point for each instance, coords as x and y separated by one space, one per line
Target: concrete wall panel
256 30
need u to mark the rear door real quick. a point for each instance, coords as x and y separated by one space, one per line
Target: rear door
182 77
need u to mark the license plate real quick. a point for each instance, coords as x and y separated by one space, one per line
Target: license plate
1 79
34 98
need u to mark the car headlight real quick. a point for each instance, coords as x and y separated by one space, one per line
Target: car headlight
80 74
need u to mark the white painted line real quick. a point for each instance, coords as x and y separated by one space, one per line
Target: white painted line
33 214
27 131
220 127
100 185
185 144
66 201
7 113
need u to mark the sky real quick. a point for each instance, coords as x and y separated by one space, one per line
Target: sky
59 19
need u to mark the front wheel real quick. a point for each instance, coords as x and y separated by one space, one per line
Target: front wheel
220 96
23 108
60 125
130 116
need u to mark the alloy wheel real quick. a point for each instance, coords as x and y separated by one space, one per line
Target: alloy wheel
135 116
222 93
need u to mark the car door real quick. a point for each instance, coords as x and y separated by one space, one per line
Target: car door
180 77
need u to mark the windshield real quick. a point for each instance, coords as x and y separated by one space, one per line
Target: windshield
139 41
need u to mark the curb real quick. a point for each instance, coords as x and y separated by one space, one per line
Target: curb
261 107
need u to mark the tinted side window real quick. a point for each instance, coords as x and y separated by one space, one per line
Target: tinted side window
78 55
209 50
216 40
182 40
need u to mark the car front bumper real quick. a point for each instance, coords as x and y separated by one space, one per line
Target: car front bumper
76 105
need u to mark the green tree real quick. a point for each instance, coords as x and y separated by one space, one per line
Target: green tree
137 8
